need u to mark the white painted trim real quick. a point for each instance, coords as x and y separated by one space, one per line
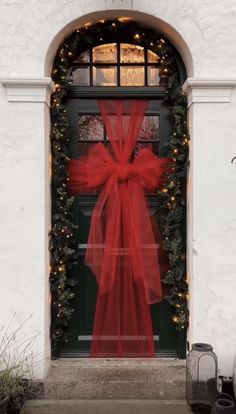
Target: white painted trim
118 4
208 90
28 89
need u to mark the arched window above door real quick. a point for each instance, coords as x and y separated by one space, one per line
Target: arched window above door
116 64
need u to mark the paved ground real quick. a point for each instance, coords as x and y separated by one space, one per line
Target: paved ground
105 407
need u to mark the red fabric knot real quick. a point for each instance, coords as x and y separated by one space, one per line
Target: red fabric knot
123 172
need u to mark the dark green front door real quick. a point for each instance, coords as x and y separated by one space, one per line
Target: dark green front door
87 129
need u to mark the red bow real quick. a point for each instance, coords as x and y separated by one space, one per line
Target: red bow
121 233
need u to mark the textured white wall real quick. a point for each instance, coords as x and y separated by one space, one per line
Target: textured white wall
28 27
24 221
212 226
204 31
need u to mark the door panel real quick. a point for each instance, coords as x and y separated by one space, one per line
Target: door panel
84 302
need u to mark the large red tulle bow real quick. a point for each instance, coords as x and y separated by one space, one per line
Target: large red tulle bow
122 248
121 233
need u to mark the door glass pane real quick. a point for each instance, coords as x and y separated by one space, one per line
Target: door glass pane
153 76
152 57
80 76
132 76
153 146
105 53
131 53
106 76
83 58
139 146
83 148
150 130
90 128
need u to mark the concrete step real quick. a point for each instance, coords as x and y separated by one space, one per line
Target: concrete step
101 378
105 407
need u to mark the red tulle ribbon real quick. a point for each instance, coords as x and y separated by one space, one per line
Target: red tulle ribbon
122 248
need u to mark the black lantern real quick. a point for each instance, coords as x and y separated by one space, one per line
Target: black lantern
201 378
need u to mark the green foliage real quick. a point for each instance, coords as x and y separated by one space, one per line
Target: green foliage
16 363
174 203
63 233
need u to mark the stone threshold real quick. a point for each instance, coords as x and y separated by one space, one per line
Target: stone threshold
122 362
106 407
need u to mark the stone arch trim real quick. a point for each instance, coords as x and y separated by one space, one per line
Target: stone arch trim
150 21
80 40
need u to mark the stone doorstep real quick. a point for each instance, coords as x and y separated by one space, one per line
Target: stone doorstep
105 407
101 378
79 362
88 369
114 390
122 362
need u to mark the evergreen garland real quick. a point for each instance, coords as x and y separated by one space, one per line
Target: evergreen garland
173 205
172 195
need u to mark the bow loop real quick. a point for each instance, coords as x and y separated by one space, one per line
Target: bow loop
91 173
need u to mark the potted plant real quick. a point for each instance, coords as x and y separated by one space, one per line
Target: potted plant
3 405
12 392
15 368
18 389
3 397
9 385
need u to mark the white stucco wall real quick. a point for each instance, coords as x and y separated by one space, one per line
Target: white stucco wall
212 227
204 31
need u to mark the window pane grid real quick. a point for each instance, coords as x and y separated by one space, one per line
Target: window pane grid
89 69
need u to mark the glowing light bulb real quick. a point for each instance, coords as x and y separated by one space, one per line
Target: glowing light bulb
137 36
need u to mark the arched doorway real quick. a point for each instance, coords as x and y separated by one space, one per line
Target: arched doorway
116 59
